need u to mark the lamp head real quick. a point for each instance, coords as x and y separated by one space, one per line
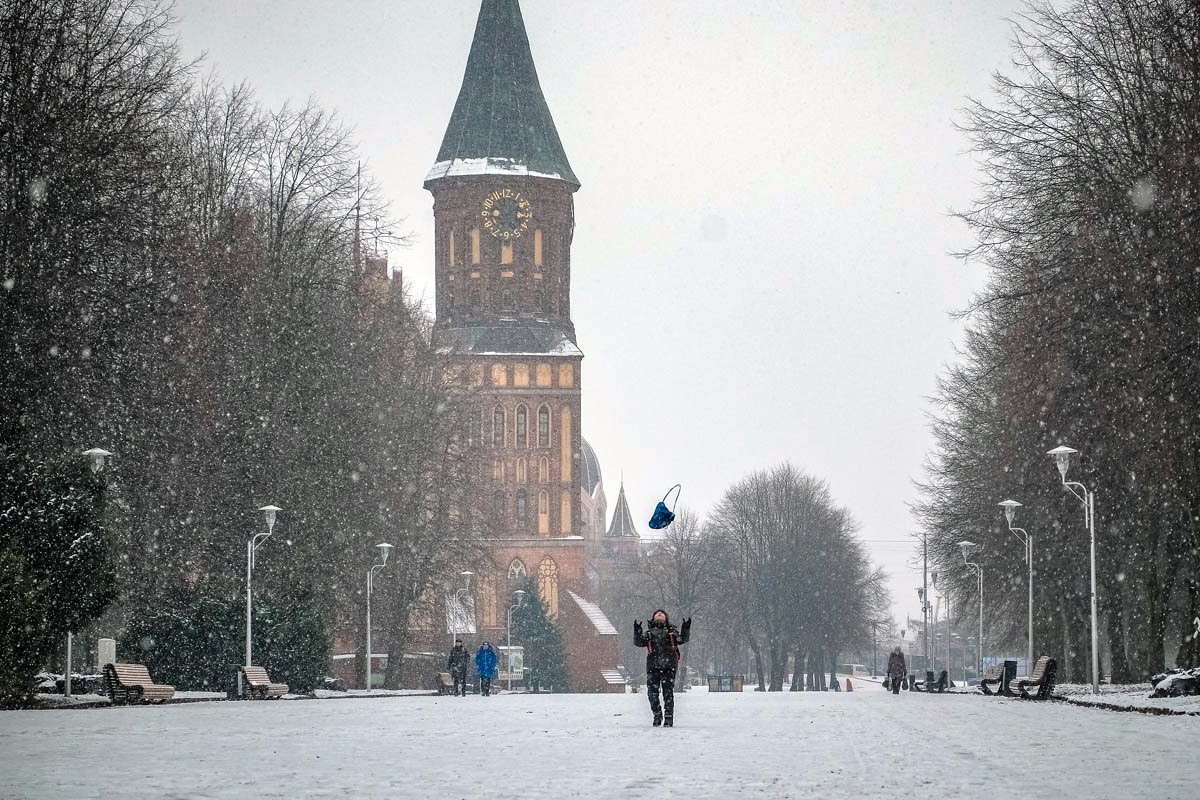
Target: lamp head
1010 510
269 513
921 593
466 576
1062 457
520 595
966 548
97 456
385 550
933 576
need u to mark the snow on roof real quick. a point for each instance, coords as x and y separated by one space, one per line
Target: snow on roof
490 165
594 614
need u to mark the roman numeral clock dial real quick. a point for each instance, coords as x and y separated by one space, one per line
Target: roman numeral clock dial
506 214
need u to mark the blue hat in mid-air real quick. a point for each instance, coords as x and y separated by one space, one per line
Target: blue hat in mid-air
664 516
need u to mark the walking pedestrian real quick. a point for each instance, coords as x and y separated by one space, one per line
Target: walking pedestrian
458 664
485 665
661 640
897 670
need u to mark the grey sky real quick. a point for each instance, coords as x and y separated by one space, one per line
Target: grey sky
760 267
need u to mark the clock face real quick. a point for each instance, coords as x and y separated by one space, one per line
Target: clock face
506 214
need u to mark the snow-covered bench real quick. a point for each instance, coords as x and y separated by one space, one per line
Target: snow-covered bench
1043 677
259 685
130 683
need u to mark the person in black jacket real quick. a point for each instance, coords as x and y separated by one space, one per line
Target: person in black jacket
661 640
457 664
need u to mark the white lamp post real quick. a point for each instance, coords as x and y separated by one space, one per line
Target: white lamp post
520 595
1010 513
466 575
96 455
924 622
944 597
966 548
252 545
385 550
1062 458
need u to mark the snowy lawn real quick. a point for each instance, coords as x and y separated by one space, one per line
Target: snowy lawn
825 745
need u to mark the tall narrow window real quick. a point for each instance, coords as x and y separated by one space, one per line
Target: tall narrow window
543 513
521 375
564 431
522 426
498 505
544 426
498 426
548 585
498 470
452 247
506 253
566 375
537 247
475 246
543 374
499 375
485 597
522 471
544 470
522 509
566 512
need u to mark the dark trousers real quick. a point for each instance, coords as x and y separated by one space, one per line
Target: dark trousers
663 680
896 681
460 681
485 686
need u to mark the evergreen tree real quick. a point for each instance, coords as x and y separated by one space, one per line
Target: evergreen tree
544 653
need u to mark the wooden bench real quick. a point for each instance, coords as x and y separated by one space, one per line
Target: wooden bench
259 685
938 686
994 674
130 683
1043 677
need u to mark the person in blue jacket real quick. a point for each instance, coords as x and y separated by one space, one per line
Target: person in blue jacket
485 664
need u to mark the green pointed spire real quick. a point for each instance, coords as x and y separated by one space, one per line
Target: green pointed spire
501 123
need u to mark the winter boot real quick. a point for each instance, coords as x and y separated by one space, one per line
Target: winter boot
658 720
668 721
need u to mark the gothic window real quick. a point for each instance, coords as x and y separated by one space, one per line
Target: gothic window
475 246
498 470
498 505
543 374
521 375
544 513
506 300
566 512
565 444
544 426
498 426
522 471
566 375
522 426
516 571
548 585
544 470
522 509
537 247
499 375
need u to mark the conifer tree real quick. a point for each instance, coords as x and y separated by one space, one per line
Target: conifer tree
544 654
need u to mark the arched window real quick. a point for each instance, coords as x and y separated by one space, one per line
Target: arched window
485 599
475 246
548 585
516 571
498 426
565 444
522 471
544 426
452 247
566 512
521 375
543 374
498 505
522 426
498 470
499 375
566 375
507 303
537 247
522 509
544 513
544 470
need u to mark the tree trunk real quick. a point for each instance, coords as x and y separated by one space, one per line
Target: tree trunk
798 671
758 665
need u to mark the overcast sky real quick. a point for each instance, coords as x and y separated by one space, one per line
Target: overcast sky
762 266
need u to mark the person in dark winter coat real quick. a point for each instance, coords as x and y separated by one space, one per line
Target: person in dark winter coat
661 640
896 670
457 664
485 665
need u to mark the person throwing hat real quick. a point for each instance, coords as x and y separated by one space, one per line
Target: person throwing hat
661 640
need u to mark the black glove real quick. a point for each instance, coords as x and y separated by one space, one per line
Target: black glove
637 627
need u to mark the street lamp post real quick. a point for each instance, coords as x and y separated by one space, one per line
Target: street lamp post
252 545
520 595
96 455
385 550
1062 457
466 574
924 622
1010 513
944 597
966 548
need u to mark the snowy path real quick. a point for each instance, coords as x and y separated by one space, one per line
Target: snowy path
787 745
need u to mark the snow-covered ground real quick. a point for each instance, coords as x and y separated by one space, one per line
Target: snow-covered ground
1128 697
822 745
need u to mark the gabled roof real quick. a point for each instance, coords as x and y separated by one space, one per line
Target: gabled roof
622 521
594 614
515 338
501 123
